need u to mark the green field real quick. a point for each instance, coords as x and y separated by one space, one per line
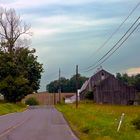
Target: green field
6 108
99 122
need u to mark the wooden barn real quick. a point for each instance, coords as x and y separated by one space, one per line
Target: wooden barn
107 89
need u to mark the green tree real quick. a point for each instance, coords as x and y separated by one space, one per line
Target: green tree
64 84
67 85
53 86
133 80
20 72
118 76
28 65
72 82
123 77
137 82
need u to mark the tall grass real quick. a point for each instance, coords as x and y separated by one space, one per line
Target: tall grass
99 122
6 108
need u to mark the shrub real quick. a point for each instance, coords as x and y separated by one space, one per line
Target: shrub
136 122
89 95
31 101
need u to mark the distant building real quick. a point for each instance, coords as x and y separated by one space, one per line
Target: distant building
71 99
107 89
1 97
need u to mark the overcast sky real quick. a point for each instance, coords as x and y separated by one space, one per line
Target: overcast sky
68 32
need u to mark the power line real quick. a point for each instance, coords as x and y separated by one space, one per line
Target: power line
115 49
116 29
110 37
84 69
115 44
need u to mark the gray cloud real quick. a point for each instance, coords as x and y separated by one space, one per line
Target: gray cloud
67 33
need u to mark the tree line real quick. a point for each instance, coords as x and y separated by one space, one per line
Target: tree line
67 85
133 80
20 72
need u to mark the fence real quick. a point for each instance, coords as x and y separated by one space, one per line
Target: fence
45 98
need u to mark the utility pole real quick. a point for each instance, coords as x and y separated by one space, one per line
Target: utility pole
59 90
76 86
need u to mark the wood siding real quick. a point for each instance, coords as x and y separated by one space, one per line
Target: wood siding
113 91
108 89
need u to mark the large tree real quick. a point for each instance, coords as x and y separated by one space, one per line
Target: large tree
12 29
20 72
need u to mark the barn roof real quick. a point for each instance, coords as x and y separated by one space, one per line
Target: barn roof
84 86
87 83
101 71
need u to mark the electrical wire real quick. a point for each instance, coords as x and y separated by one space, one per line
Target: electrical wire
115 44
110 37
115 49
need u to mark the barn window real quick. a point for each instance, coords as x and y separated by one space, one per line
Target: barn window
102 76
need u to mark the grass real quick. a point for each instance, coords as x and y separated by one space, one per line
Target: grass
6 108
99 122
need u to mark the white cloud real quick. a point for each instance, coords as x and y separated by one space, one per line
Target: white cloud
61 24
18 4
44 27
71 20
133 71
46 32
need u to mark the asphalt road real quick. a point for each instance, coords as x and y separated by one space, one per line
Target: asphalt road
42 123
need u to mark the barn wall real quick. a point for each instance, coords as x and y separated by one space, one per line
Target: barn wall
97 78
115 92
108 89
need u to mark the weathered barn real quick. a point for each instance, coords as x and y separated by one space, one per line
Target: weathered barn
107 89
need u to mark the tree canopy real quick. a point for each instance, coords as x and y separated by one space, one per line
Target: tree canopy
20 73
133 80
67 85
12 29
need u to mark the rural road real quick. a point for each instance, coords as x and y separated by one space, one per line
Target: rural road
42 123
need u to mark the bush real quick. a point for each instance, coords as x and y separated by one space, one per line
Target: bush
136 122
31 101
89 95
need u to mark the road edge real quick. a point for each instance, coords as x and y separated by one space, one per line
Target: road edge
78 138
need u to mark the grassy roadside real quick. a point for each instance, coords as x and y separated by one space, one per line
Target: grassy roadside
99 122
6 108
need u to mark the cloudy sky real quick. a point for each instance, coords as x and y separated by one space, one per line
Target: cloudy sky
69 32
